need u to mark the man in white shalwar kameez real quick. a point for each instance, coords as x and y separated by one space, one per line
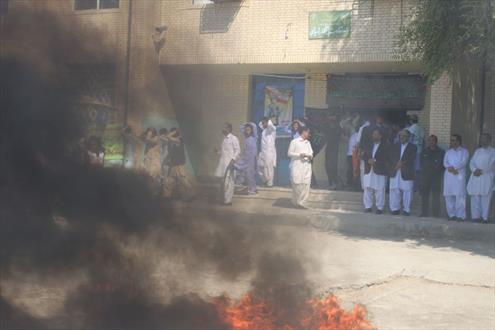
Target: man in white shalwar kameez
454 179
268 156
229 153
481 183
375 173
300 154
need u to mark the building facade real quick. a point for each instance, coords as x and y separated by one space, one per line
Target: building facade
200 63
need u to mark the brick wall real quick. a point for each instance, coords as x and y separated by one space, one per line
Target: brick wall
203 102
276 31
440 109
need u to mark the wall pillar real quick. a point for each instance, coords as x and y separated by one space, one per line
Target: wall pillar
441 109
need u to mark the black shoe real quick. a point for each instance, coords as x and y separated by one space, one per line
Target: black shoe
476 220
459 219
406 214
379 212
367 210
451 219
395 212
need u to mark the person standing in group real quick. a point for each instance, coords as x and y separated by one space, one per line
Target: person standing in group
229 153
95 153
431 176
417 138
164 156
332 135
130 143
454 180
294 127
402 158
247 162
351 147
481 183
268 155
300 154
362 146
375 173
177 179
152 164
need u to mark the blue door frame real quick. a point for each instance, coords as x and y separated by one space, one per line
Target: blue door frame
294 82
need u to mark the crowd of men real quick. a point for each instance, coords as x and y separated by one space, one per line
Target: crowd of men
384 158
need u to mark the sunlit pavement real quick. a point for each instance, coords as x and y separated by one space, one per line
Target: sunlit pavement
410 273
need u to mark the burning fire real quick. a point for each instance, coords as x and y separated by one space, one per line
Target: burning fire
251 313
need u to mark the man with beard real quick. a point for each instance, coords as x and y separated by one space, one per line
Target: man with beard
375 157
402 156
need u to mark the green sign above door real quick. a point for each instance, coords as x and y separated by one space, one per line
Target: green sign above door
330 24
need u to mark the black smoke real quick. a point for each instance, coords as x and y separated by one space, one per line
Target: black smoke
60 216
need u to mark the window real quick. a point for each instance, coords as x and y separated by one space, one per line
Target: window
4 7
95 4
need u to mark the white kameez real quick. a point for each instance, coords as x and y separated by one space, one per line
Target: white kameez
374 185
267 159
481 188
454 186
229 151
400 190
300 170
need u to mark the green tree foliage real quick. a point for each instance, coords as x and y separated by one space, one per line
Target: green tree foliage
442 32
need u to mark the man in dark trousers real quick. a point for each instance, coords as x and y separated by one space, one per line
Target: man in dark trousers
375 158
402 159
332 134
432 173
178 179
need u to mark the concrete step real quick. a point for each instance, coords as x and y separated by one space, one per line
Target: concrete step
320 199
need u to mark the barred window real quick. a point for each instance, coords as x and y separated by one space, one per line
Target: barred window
95 4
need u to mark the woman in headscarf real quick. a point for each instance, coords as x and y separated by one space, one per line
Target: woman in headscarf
152 164
247 163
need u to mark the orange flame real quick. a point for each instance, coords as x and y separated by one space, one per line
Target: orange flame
251 313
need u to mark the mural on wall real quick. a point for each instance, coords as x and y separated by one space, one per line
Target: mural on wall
95 101
279 104
330 24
